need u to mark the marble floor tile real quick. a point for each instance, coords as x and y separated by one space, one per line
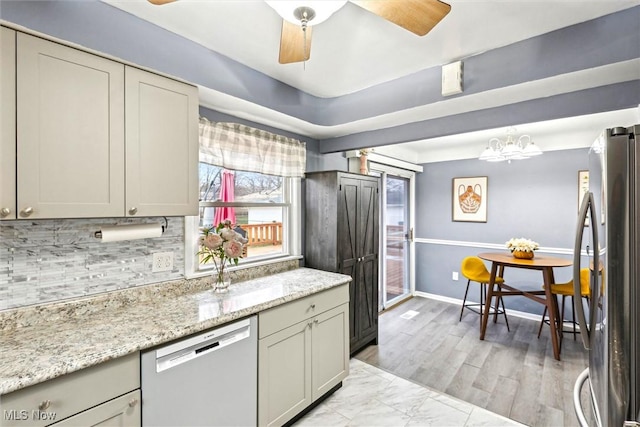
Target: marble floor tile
374 397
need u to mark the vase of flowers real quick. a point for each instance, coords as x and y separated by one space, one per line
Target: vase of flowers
223 246
522 248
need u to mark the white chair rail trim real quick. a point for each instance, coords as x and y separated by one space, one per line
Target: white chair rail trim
493 246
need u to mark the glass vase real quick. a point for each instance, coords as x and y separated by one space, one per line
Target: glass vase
221 282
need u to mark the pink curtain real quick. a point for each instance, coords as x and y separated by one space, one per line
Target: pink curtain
226 195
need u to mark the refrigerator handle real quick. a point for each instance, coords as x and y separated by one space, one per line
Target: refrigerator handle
577 390
585 208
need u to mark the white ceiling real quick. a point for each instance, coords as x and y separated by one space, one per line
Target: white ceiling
355 49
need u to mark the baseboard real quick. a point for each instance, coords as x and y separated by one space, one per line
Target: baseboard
510 312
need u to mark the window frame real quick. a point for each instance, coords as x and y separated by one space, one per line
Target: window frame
291 225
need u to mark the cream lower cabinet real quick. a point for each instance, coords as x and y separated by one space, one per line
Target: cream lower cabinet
303 352
123 411
103 395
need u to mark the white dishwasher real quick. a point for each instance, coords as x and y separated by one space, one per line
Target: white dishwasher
209 379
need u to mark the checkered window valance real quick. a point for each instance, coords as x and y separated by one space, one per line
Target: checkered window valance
239 147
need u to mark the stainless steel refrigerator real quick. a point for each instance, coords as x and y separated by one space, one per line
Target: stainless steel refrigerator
610 326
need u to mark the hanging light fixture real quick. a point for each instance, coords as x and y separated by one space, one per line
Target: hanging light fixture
499 150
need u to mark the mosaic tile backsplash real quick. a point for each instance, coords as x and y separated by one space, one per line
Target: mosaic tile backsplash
50 260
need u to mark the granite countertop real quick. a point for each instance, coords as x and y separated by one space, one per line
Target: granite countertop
45 343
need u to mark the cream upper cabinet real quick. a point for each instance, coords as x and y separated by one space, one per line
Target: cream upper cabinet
64 152
162 145
70 127
7 123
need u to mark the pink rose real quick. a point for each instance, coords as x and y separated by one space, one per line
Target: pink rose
211 241
228 234
232 248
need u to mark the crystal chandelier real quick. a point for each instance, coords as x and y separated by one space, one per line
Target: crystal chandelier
510 148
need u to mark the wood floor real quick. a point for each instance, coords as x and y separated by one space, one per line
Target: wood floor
513 374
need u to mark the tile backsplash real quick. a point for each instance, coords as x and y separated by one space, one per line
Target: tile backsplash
50 260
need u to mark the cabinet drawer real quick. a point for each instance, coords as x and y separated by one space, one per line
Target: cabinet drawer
278 318
123 411
72 393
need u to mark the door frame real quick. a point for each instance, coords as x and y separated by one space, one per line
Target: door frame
385 170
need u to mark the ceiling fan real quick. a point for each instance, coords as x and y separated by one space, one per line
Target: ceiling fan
417 16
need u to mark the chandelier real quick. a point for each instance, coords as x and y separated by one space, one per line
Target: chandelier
510 148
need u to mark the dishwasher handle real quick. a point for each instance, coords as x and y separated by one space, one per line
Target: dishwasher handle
192 348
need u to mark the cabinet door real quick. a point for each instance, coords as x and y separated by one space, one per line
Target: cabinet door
123 411
284 374
348 244
162 145
7 123
367 278
330 349
70 124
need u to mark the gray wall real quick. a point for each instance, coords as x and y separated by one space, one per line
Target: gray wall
535 198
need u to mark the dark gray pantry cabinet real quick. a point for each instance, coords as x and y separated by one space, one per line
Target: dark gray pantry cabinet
341 235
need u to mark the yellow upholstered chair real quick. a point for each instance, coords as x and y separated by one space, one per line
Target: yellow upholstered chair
474 270
566 290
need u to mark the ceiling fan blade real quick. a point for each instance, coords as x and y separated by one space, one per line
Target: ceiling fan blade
293 47
160 2
417 16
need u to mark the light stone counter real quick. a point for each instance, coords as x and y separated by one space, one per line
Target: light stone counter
41 343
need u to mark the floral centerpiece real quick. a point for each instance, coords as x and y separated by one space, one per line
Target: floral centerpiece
522 248
223 246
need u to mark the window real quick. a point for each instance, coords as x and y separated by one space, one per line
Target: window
263 202
256 203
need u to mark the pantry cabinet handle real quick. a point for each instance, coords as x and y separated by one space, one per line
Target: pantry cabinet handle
133 402
26 211
44 405
5 212
133 211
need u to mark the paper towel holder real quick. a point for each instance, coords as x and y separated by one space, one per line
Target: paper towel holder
98 234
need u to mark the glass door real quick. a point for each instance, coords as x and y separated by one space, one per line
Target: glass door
396 238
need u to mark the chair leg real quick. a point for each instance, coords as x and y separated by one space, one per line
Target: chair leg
483 306
542 320
464 300
562 314
495 310
573 316
504 313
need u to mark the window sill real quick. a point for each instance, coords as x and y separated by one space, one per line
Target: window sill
257 263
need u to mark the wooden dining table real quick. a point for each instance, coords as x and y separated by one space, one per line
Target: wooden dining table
500 260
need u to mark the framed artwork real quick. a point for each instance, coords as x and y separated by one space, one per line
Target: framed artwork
469 199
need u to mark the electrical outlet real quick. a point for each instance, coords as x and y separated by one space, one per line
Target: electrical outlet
454 275
162 261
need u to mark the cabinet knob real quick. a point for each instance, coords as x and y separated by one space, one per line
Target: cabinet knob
4 212
44 405
133 402
26 211
316 321
133 211
309 324
313 306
